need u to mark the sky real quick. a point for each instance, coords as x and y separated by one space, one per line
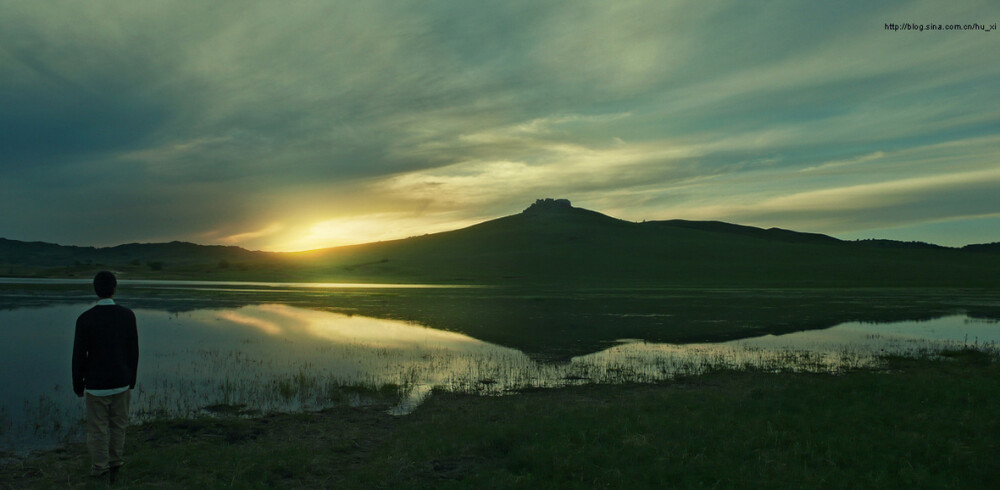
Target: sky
306 124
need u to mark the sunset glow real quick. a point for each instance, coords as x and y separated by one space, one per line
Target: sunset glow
293 127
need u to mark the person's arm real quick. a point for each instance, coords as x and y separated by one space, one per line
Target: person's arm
79 359
133 353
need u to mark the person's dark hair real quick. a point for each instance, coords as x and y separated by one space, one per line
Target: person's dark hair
105 284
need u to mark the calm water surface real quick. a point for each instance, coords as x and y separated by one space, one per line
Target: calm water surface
277 356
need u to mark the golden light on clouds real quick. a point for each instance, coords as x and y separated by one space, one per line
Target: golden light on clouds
316 124
239 238
353 230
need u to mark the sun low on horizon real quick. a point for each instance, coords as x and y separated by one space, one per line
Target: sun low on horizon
294 127
340 232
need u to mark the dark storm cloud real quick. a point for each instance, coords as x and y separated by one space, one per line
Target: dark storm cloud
62 122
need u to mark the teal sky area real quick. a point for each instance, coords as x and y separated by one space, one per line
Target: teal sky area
308 124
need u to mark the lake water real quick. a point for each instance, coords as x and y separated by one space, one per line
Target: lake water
281 347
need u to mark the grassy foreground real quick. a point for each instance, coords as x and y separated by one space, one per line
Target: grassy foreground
919 423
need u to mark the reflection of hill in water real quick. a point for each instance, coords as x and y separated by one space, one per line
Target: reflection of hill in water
561 324
274 357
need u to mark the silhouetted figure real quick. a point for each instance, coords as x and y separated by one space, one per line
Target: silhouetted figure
105 359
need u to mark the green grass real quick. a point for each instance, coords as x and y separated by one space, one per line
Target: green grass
920 423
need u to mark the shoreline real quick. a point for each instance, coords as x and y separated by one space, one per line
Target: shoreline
923 422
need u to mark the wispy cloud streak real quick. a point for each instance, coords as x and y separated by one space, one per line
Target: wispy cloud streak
275 125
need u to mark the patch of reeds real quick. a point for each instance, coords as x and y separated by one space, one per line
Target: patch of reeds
257 378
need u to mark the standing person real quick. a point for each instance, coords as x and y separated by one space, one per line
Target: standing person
105 359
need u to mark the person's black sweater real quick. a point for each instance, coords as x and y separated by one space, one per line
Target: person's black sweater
106 349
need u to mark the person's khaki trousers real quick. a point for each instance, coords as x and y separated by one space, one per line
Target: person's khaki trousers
107 418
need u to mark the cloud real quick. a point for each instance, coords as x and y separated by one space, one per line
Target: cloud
925 184
214 121
550 166
358 229
247 236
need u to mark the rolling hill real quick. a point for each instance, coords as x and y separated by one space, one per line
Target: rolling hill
551 243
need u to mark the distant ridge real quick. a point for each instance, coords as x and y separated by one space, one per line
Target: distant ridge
549 242
984 248
777 234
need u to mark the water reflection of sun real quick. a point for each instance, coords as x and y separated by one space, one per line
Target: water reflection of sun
279 319
263 325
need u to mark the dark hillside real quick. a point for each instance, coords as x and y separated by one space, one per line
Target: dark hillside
550 243
174 259
984 248
898 244
775 234
560 244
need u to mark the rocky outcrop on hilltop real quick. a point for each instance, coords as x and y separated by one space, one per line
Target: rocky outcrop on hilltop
548 204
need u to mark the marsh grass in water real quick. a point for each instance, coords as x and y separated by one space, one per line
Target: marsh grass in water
921 422
287 359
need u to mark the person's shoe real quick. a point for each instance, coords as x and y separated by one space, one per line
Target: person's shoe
98 473
113 474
